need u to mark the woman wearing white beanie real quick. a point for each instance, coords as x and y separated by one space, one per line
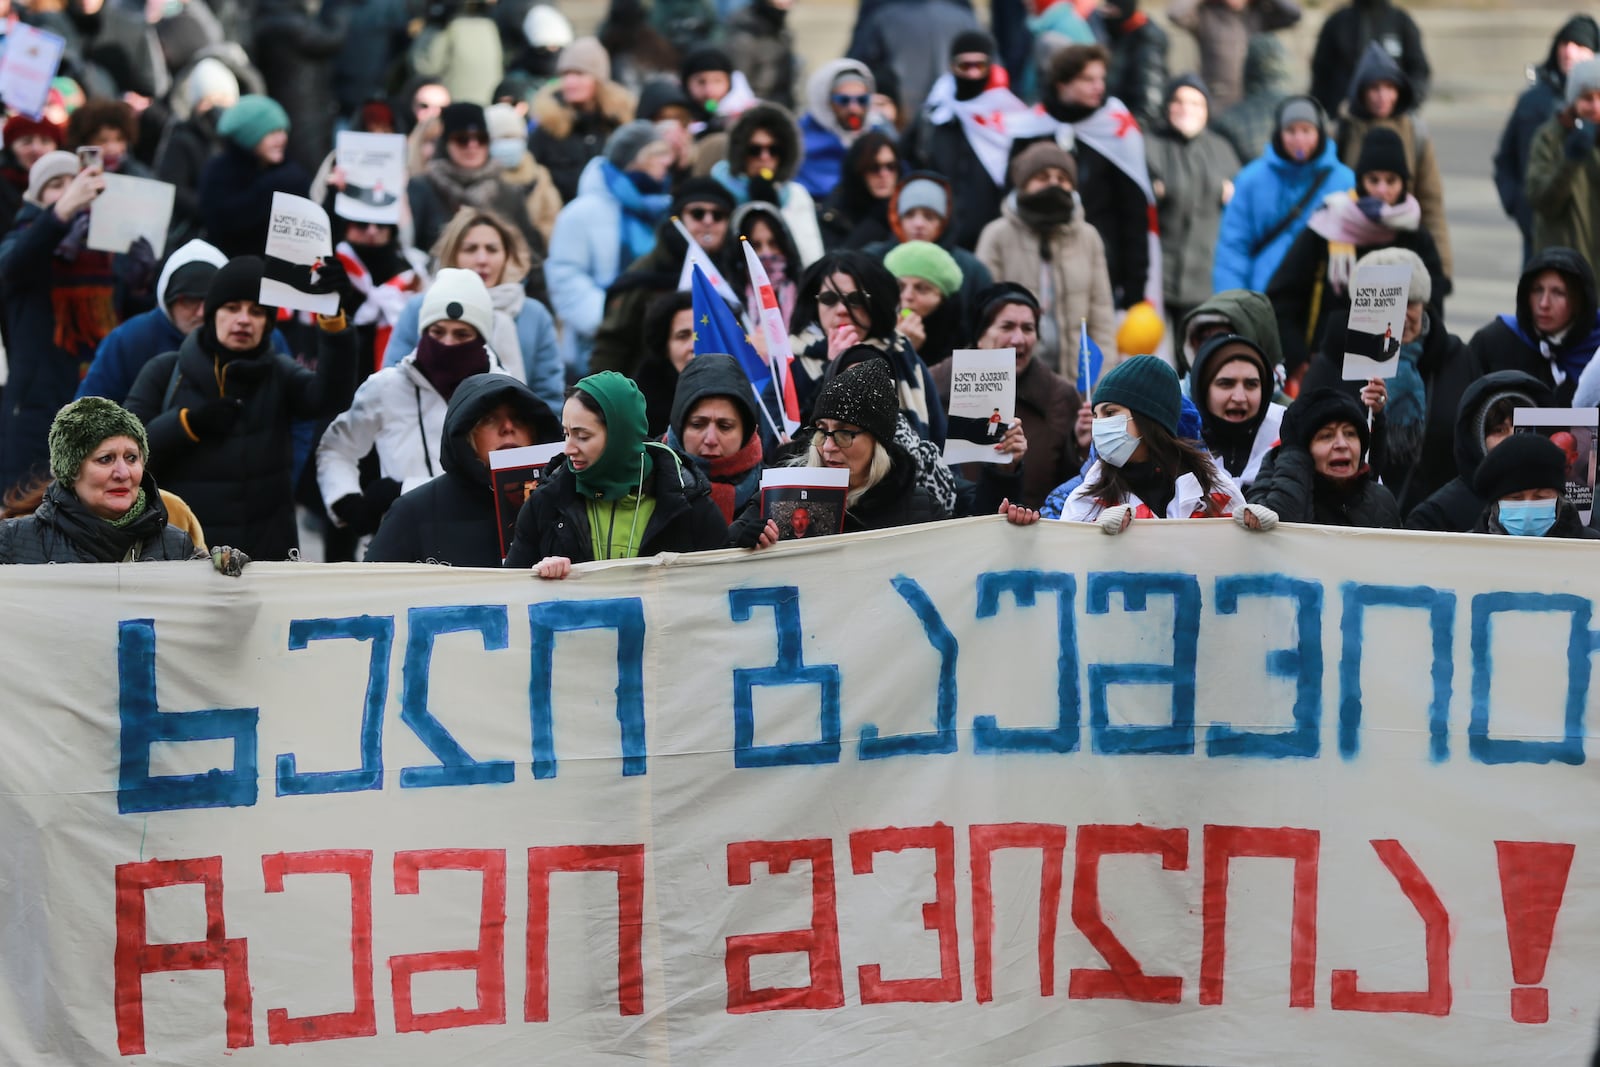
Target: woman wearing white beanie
401 409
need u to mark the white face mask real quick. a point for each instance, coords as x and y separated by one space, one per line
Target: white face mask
507 151
1113 441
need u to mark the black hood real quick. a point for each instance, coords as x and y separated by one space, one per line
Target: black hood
1580 283
473 399
1580 29
1475 403
1378 65
713 374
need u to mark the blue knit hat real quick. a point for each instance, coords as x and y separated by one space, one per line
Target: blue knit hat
1146 386
248 122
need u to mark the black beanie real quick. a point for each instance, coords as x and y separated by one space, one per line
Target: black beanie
707 58
702 191
658 94
863 396
993 298
973 41
1316 409
240 279
463 118
1382 149
193 279
1580 30
1522 461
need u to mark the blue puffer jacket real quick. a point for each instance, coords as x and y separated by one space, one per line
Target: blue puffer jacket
1264 192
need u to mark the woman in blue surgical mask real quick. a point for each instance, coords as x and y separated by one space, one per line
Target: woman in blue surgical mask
1143 469
1524 478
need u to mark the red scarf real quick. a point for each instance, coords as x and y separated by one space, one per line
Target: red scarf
82 294
727 470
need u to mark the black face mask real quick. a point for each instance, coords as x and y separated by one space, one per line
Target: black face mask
1053 200
970 88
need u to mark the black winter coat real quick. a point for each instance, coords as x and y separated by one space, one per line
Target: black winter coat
241 486
295 55
236 198
1504 346
976 199
1116 207
1289 484
451 519
898 500
1344 38
1138 73
554 521
64 531
185 150
1569 524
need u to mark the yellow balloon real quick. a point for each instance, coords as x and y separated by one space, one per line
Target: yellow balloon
1141 331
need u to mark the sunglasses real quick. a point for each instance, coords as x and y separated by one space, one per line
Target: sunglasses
840 438
706 214
470 137
768 148
358 225
830 298
851 100
881 168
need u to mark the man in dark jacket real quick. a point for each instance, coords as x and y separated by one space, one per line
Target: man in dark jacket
1485 419
1138 70
219 410
1555 328
1577 41
295 53
451 519
1344 38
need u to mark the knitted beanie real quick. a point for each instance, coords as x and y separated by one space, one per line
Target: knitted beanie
504 123
1583 78
20 126
864 397
238 280
630 139
1145 385
47 168
1522 461
212 78
703 59
1037 157
586 55
973 42
1421 291
1319 407
1382 149
460 295
545 27
82 426
702 190
248 122
1299 109
462 118
924 193
920 259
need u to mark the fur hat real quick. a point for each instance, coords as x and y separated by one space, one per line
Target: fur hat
863 396
81 427
1421 291
248 122
1520 462
919 259
1037 157
586 55
47 168
1145 385
460 295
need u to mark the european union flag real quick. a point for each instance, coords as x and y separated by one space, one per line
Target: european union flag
1090 359
717 330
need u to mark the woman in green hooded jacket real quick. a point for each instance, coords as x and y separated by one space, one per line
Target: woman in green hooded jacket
613 494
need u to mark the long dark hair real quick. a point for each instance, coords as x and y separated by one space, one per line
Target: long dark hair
870 276
1171 456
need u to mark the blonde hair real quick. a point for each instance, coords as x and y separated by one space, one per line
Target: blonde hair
877 470
454 235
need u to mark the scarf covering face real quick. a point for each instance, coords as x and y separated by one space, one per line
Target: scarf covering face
623 466
447 366
641 209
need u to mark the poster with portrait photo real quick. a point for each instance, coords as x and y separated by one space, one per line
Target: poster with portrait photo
515 474
1574 430
804 501
982 401
1377 321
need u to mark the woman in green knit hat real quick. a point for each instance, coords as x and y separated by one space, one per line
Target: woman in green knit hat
931 315
613 494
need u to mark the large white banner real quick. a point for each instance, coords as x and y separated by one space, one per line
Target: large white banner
964 794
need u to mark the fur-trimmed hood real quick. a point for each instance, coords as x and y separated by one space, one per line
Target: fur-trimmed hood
553 115
819 95
776 121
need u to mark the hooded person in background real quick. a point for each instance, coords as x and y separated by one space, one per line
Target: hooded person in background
530 179
763 155
1231 384
856 213
1224 33
1249 122
237 185
1485 419
1563 179
1275 196
838 112
1241 311
577 112
1523 478
1574 43
718 92
451 519
715 424
219 410
179 311
1381 98
1319 472
1344 38
465 174
920 211
1554 331
1191 171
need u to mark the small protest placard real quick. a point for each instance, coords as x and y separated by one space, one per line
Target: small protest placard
983 399
804 501
28 66
1574 430
299 239
131 208
374 167
515 474
1377 320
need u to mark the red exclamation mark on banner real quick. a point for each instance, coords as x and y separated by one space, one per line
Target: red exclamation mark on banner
1533 879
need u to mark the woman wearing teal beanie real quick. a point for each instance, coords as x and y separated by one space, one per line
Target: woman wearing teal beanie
613 494
237 184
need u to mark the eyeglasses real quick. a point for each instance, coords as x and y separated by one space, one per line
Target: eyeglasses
706 214
840 438
852 100
856 300
764 148
882 168
469 137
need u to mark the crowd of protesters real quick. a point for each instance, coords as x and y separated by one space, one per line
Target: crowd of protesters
1049 187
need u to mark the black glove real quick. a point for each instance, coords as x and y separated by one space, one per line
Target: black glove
352 511
1581 140
139 266
214 418
333 278
381 495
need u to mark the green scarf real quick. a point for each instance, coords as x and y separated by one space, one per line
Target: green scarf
623 467
131 514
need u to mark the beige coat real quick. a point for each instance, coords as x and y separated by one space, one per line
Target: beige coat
1078 276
